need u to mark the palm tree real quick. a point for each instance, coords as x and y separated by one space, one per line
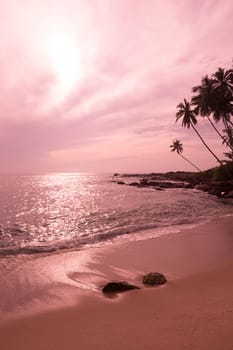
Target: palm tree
189 119
223 80
178 147
215 96
223 96
203 100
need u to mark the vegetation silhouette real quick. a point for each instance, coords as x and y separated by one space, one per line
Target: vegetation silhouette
177 146
202 101
212 99
189 119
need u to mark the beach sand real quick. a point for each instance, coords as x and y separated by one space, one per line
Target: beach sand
194 310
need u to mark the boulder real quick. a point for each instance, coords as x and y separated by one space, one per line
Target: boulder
154 278
118 287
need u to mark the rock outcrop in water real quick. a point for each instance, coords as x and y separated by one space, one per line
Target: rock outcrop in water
217 181
157 183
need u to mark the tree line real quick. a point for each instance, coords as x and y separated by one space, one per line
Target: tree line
212 99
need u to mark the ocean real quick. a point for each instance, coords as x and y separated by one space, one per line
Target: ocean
54 212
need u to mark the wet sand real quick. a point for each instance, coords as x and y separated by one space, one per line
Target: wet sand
194 310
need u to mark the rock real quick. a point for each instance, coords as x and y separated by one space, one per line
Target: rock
154 278
154 183
118 287
215 192
158 188
189 186
203 187
228 195
220 188
120 182
163 184
144 182
134 184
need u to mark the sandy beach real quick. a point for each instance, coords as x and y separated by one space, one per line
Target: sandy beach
194 310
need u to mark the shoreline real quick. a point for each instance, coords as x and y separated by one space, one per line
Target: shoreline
63 300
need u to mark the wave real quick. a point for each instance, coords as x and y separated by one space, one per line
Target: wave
53 214
85 241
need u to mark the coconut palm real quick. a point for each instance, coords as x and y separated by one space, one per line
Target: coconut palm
177 146
222 107
223 80
189 119
214 96
203 100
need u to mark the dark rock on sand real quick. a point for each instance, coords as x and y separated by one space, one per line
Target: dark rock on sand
121 182
118 287
154 278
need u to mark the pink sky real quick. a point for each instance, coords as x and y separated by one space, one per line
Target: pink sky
92 85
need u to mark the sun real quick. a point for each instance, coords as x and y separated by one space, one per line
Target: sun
65 62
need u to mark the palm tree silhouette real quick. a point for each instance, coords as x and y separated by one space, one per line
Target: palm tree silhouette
177 146
215 96
223 79
203 100
189 119
222 107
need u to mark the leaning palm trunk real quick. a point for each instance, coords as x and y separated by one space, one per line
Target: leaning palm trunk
178 148
228 127
187 160
227 123
228 144
204 143
217 131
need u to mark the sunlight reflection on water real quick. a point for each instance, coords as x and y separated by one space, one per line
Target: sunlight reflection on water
48 207
79 209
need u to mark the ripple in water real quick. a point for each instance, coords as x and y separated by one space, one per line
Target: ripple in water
72 210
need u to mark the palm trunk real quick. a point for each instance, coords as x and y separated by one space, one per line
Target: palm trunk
204 143
217 131
227 127
226 123
187 160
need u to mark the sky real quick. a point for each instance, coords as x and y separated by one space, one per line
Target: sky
93 85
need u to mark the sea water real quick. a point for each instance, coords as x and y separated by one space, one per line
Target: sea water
52 212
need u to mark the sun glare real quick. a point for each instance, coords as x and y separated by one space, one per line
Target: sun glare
65 63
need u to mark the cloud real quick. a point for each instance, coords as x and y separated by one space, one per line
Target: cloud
136 60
